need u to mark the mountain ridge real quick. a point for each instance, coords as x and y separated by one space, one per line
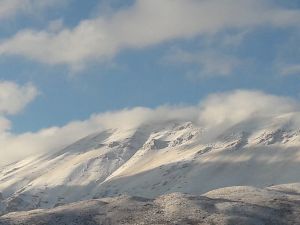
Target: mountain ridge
153 160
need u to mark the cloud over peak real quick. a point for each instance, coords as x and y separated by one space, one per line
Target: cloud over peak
216 113
241 105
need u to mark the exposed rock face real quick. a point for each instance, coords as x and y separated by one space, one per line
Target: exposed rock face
234 205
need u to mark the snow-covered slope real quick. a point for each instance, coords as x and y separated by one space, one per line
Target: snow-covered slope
234 205
153 160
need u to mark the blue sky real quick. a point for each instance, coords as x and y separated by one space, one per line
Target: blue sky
143 53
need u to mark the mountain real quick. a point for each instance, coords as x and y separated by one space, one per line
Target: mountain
155 160
234 205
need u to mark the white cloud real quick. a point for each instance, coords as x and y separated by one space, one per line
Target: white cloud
216 113
4 124
12 8
210 63
13 99
227 109
293 69
16 147
144 24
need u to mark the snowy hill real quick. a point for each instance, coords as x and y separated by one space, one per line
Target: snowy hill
153 160
234 205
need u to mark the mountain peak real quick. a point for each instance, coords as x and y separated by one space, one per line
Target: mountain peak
151 160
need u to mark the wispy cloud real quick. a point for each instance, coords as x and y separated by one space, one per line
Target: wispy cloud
12 8
293 69
209 62
141 25
234 39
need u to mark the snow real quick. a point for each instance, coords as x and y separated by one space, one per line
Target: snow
232 205
153 160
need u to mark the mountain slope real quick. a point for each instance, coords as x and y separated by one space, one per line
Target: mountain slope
153 160
234 205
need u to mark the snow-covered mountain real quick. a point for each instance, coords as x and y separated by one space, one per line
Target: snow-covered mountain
153 160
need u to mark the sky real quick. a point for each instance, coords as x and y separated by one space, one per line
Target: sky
66 62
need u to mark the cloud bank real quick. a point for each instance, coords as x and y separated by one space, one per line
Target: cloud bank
143 24
215 113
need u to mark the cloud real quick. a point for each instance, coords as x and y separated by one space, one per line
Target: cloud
16 147
210 62
227 109
143 24
13 99
4 124
216 113
293 69
234 40
13 8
